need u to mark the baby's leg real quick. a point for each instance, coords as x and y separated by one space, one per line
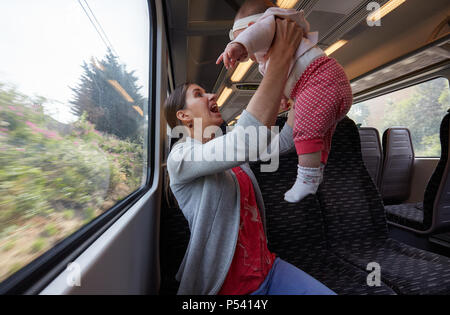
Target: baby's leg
315 118
310 159
312 121
309 176
314 161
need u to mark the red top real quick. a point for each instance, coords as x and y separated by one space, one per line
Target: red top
252 259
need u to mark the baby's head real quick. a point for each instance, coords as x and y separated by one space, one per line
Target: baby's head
251 7
248 9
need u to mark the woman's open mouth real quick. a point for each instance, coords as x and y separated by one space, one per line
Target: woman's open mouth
214 108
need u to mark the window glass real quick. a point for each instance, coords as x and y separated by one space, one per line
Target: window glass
419 108
73 117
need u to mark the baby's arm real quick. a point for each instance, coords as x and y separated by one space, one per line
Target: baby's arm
233 52
257 37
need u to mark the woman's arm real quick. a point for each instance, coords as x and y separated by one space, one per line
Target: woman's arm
265 104
286 134
286 138
247 141
189 161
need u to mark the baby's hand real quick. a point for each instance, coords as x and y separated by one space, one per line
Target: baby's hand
233 52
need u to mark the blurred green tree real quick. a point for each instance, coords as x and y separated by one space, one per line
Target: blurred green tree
421 112
110 96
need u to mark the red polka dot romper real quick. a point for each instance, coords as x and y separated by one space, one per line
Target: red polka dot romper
323 97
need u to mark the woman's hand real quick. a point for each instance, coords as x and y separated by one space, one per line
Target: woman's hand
288 36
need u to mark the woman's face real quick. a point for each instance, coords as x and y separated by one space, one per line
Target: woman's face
200 104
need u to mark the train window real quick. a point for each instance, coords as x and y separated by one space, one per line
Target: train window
73 118
420 108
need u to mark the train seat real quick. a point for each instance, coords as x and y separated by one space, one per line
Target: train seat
434 212
296 232
174 239
356 227
398 164
371 152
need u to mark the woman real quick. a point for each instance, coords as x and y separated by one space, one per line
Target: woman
220 198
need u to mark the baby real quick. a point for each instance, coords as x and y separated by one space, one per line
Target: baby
316 83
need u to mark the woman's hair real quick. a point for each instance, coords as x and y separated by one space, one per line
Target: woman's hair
175 102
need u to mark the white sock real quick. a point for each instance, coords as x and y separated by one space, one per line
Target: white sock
307 182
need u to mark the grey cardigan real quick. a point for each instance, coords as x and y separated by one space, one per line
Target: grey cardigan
208 194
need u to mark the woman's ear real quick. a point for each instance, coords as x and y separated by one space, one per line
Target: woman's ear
184 117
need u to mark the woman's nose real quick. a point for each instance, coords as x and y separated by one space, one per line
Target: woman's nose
212 97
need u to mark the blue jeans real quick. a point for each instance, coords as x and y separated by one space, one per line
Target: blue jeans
286 279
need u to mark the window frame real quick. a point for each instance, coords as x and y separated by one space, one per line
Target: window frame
404 81
33 277
404 84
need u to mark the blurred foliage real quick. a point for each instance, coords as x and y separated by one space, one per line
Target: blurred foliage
55 177
51 170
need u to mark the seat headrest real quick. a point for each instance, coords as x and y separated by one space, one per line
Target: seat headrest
346 139
444 135
350 202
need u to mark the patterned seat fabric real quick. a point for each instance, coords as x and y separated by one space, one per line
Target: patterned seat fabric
416 216
407 214
296 232
356 228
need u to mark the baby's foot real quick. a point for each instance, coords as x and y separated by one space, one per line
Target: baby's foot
307 182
